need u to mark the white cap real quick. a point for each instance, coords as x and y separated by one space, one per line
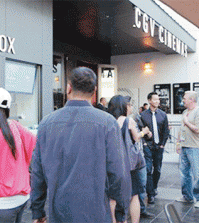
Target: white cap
5 98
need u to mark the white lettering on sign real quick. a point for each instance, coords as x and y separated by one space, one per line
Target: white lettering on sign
182 49
3 43
137 15
174 43
178 46
145 23
11 47
165 36
160 34
185 50
169 43
7 44
152 26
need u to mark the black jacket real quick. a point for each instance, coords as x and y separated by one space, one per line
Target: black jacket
162 124
100 106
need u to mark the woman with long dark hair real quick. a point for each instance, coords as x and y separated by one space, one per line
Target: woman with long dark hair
16 147
120 108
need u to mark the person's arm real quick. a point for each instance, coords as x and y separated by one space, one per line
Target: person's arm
165 132
178 145
38 183
118 170
28 140
193 128
143 117
134 131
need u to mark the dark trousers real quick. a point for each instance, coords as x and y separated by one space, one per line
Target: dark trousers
143 179
153 155
13 215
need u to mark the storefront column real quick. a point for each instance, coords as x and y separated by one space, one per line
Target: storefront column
2 71
46 88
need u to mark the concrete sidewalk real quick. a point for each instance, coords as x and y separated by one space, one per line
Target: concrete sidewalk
170 157
168 190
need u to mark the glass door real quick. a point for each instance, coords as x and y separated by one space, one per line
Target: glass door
58 81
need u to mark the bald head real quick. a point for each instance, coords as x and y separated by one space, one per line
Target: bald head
190 99
192 95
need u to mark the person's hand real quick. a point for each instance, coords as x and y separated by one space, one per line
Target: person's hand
145 130
40 220
150 134
178 148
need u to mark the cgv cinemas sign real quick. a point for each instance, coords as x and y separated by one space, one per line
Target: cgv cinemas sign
165 37
7 44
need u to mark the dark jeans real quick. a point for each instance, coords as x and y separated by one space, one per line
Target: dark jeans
13 215
153 155
143 178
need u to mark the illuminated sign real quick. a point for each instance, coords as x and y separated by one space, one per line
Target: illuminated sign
7 44
165 37
108 81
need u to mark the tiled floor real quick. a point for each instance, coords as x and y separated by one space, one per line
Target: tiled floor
168 191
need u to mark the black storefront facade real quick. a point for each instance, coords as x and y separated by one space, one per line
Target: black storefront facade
93 31
41 41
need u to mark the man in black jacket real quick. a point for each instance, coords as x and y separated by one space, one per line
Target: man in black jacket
153 147
102 104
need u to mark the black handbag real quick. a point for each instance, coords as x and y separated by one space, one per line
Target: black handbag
135 157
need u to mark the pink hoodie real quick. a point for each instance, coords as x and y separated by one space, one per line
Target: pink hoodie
14 174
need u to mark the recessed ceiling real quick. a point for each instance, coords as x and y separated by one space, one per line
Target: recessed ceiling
100 27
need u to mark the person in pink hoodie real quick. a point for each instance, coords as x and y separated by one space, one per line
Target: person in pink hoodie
16 147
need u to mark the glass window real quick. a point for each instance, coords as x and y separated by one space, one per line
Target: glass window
22 81
20 77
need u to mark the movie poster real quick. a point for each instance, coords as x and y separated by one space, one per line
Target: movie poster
164 93
196 88
178 94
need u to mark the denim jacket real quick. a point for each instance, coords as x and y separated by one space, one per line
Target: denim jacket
79 151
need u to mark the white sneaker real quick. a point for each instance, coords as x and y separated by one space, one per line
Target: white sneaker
196 205
184 200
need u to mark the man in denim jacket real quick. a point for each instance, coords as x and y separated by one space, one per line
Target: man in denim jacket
80 159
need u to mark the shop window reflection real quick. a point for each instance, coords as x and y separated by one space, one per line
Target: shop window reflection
22 81
58 96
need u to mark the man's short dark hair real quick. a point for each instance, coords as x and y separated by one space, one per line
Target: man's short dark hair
83 79
151 94
145 104
101 99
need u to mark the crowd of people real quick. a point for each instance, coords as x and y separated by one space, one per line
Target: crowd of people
95 164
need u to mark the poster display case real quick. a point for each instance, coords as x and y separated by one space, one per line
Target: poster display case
196 88
178 93
164 93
